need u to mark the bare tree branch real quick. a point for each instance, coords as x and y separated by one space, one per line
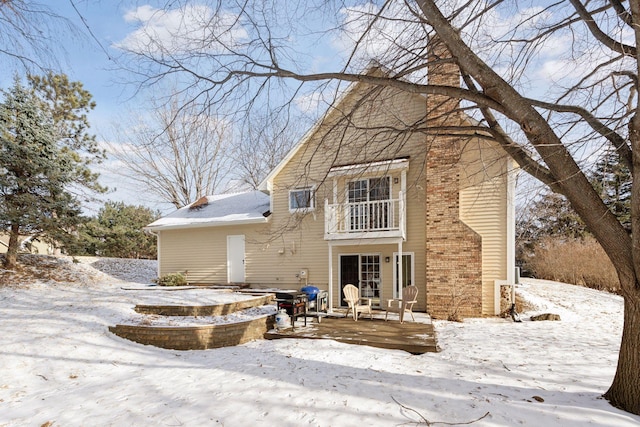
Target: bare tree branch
612 44
179 154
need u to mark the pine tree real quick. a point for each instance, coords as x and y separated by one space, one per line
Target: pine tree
38 167
69 103
117 231
612 179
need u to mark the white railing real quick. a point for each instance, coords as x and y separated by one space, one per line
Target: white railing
359 217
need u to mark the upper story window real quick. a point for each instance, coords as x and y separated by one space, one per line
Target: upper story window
368 190
302 199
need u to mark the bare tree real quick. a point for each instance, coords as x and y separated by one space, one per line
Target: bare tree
262 144
178 154
30 34
554 84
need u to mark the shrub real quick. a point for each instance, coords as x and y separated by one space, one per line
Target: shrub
172 279
577 261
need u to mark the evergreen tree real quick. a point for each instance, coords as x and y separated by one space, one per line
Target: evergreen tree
69 103
550 215
117 232
612 179
39 167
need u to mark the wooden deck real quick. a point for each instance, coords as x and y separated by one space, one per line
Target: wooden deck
413 337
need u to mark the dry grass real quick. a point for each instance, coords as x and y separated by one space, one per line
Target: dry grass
32 268
580 262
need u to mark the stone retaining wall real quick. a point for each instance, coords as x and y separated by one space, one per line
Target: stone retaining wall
203 310
196 337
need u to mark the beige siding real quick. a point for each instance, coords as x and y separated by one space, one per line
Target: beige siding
37 246
284 252
202 252
310 167
269 261
484 209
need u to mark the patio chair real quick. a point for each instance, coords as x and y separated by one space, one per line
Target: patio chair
404 305
355 303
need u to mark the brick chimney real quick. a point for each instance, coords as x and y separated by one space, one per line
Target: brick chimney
453 250
442 70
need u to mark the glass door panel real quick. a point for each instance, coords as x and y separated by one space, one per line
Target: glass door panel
407 273
379 192
369 204
370 278
349 273
358 191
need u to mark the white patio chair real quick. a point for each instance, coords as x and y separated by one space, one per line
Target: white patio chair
355 303
404 305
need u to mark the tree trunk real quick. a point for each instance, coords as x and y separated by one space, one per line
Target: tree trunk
624 392
622 249
11 257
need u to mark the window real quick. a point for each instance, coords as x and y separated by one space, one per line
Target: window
302 198
369 189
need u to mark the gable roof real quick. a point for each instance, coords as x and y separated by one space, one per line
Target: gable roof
373 68
225 209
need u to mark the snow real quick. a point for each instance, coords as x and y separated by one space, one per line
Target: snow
222 209
60 365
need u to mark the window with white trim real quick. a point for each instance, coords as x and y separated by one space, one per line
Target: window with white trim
302 199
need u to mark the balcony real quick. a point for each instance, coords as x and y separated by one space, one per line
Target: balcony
365 220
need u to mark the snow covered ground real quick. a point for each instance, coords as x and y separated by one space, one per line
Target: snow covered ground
60 365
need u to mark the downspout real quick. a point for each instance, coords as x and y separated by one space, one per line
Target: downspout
512 173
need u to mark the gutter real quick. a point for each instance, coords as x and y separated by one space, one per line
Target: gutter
155 229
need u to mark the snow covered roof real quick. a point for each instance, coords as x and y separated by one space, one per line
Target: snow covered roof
223 209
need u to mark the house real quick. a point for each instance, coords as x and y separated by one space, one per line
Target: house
28 244
371 196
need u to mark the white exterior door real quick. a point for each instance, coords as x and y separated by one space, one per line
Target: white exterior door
235 259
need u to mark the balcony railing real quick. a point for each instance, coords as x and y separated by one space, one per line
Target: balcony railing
379 218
